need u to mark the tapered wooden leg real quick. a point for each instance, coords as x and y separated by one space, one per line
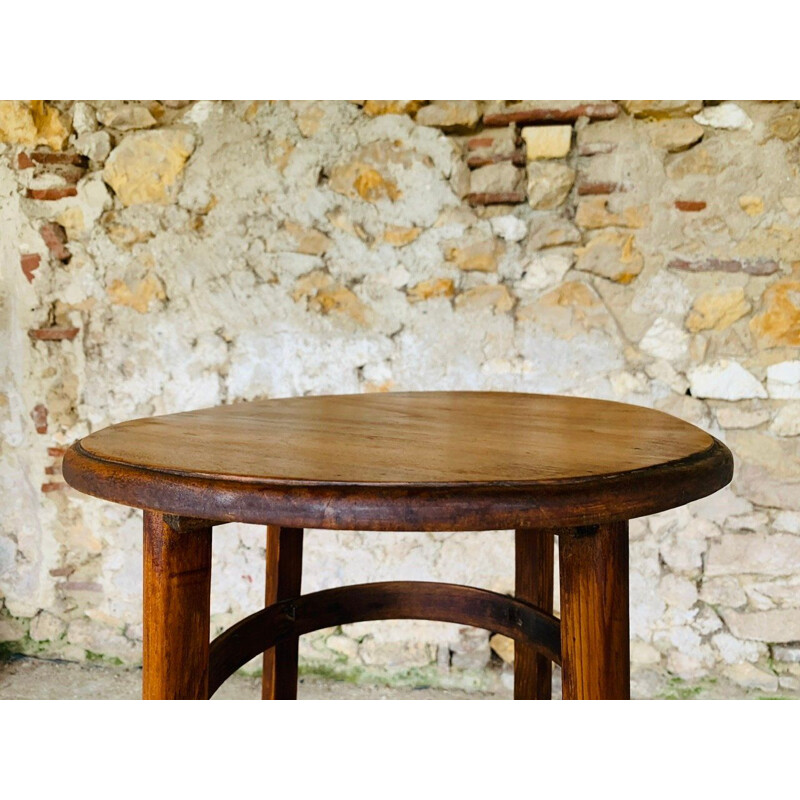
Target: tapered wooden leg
533 673
595 638
284 576
177 605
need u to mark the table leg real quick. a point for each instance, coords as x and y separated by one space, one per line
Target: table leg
533 559
595 638
284 576
177 605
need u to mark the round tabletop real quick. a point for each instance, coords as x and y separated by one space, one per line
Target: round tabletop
405 461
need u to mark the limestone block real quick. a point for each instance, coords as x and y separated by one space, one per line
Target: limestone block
724 380
761 554
783 380
675 135
548 141
144 167
32 124
502 178
549 184
450 114
717 310
612 255
662 109
728 116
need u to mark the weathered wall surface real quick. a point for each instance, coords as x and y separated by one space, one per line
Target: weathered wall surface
159 257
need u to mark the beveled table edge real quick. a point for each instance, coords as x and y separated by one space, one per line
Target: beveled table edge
469 506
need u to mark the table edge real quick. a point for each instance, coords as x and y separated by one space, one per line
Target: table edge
584 500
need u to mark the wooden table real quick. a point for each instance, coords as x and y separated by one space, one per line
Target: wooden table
427 461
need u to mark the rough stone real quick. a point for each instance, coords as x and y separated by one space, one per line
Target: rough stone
779 323
497 178
495 297
675 135
717 310
593 213
665 340
492 144
512 229
787 421
723 591
611 255
46 627
503 646
551 141
762 554
145 166
376 108
661 109
549 184
140 296
127 117
95 146
435 287
778 625
450 114
728 116
786 126
734 651
473 254
544 271
724 380
788 521
751 677
32 124
399 236
783 380
732 417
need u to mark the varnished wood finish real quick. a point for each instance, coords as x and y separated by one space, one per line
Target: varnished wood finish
414 461
284 576
437 461
534 566
177 592
595 638
377 601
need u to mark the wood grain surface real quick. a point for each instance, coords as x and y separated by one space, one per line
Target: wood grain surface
410 461
284 580
177 608
595 637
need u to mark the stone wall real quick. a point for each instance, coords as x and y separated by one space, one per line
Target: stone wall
165 256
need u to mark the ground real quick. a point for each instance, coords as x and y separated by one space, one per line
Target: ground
37 679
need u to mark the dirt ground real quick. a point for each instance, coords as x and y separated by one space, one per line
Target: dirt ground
34 679
25 678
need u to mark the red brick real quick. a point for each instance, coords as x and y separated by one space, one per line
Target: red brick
29 263
53 487
39 417
599 187
75 159
24 161
527 116
52 470
56 452
80 586
62 572
486 199
690 205
518 159
55 237
53 334
53 193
